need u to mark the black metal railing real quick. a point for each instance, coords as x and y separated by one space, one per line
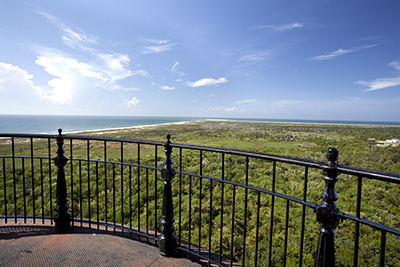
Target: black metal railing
223 206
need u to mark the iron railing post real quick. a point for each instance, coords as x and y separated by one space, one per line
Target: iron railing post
62 218
327 212
167 240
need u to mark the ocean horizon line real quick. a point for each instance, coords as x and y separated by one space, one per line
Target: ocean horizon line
49 124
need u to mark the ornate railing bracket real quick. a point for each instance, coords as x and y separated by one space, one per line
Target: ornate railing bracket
62 217
327 213
167 240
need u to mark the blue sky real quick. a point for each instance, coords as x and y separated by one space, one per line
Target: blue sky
321 60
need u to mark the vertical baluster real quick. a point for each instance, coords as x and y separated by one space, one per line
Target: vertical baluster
190 210
155 194
222 208
72 181
167 240
286 233
88 183
33 184
303 217
327 213
23 187
245 212
382 250
210 221
41 188
257 227
357 226
232 226
200 198
80 191
14 180
97 194
50 186
147 205
62 218
130 201
271 222
105 184
113 189
5 190
138 189
122 188
180 196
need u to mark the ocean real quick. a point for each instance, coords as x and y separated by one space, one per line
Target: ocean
48 124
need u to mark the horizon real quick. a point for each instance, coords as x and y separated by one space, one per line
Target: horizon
312 121
310 61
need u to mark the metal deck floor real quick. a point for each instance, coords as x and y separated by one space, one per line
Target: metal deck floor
40 245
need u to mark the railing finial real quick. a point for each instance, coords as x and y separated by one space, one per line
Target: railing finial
62 218
167 240
327 212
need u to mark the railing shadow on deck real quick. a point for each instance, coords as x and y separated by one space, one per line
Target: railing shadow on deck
225 207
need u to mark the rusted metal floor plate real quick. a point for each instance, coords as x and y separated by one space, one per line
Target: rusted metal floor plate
22 245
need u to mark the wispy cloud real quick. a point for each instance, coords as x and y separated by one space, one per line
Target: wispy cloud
340 52
167 88
156 49
206 82
154 41
73 38
260 56
280 28
383 82
175 70
133 102
246 101
161 46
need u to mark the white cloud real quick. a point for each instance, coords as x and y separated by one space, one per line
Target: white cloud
246 101
395 64
114 66
285 27
340 52
383 82
175 70
15 81
206 82
114 87
210 95
73 78
133 102
167 87
380 83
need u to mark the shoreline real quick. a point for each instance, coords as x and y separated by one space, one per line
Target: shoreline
116 130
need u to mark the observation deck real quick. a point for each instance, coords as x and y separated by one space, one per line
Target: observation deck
87 200
28 244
